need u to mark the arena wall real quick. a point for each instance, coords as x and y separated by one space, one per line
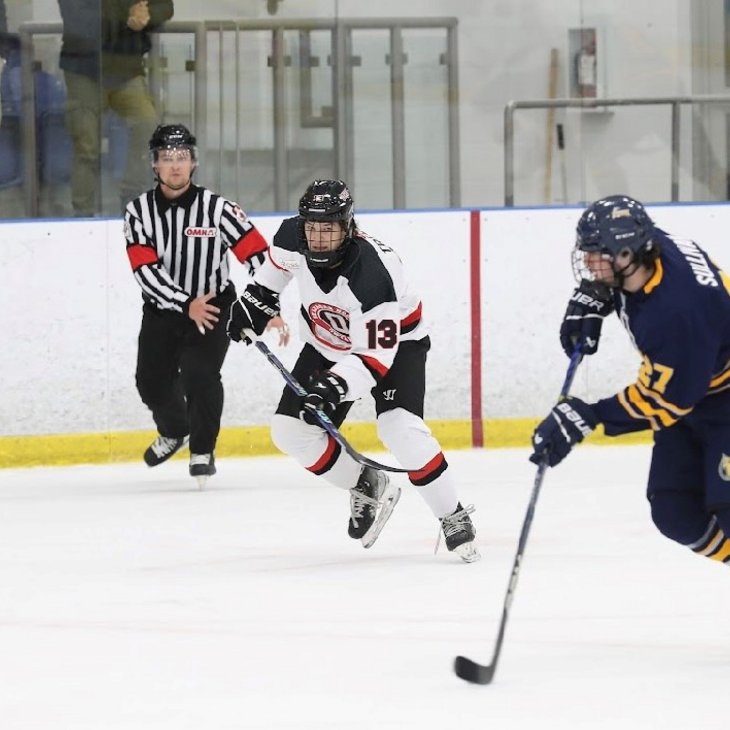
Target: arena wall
71 310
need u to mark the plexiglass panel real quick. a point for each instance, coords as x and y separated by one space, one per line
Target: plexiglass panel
371 142
421 104
426 112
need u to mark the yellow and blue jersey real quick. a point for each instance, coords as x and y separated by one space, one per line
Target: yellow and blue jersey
680 323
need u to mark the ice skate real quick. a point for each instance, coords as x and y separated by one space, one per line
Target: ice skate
372 501
202 466
162 448
459 533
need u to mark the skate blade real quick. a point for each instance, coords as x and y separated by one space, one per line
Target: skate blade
389 503
202 481
468 552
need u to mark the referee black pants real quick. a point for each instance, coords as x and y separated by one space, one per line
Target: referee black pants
178 372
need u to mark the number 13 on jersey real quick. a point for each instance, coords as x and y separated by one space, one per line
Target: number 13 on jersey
383 333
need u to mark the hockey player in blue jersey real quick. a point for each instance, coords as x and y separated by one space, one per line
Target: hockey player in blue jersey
675 304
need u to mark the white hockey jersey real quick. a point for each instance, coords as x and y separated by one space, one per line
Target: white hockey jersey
355 314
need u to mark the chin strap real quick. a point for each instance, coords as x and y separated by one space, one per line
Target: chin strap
623 273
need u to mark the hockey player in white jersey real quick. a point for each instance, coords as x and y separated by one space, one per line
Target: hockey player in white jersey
364 334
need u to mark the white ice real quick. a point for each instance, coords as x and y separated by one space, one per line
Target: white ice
129 599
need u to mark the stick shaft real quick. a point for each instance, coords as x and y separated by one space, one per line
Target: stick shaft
324 420
466 668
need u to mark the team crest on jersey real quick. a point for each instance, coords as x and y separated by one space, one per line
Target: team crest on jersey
330 325
723 468
201 232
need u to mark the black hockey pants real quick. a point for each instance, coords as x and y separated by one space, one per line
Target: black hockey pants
178 372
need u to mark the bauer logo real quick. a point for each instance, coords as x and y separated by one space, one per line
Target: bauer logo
193 232
723 468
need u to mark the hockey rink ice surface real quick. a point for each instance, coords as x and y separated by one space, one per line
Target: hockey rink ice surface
129 599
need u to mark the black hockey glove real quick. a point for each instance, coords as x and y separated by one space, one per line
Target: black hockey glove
589 304
252 311
569 422
325 391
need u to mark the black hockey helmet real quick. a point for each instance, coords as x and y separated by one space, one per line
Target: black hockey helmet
326 201
172 136
610 226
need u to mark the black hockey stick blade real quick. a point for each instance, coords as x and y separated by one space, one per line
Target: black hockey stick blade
323 418
472 672
467 669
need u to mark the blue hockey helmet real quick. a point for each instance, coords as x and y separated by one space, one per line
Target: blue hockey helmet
616 227
613 224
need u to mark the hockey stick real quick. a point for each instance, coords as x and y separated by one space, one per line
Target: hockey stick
470 670
560 129
324 420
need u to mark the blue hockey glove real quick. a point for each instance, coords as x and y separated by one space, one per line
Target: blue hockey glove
252 311
325 391
583 319
569 422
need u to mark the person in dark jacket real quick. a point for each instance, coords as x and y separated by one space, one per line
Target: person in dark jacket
103 59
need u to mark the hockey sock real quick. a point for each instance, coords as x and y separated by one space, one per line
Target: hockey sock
713 544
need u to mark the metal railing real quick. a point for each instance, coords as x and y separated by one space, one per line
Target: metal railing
673 101
342 91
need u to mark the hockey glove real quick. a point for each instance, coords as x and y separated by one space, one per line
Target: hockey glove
588 305
325 391
252 311
569 422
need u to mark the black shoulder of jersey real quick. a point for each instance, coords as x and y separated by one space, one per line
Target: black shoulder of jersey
287 237
369 279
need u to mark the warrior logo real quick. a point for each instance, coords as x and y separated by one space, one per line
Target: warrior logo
389 394
723 468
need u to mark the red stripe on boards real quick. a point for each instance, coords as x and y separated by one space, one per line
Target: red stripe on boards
477 430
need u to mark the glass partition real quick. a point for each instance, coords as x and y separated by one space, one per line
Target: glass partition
417 105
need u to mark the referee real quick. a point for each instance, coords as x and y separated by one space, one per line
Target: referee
178 237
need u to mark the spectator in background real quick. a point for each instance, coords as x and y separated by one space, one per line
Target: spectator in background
53 145
103 58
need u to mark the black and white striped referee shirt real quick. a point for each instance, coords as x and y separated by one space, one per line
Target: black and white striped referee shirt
178 249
